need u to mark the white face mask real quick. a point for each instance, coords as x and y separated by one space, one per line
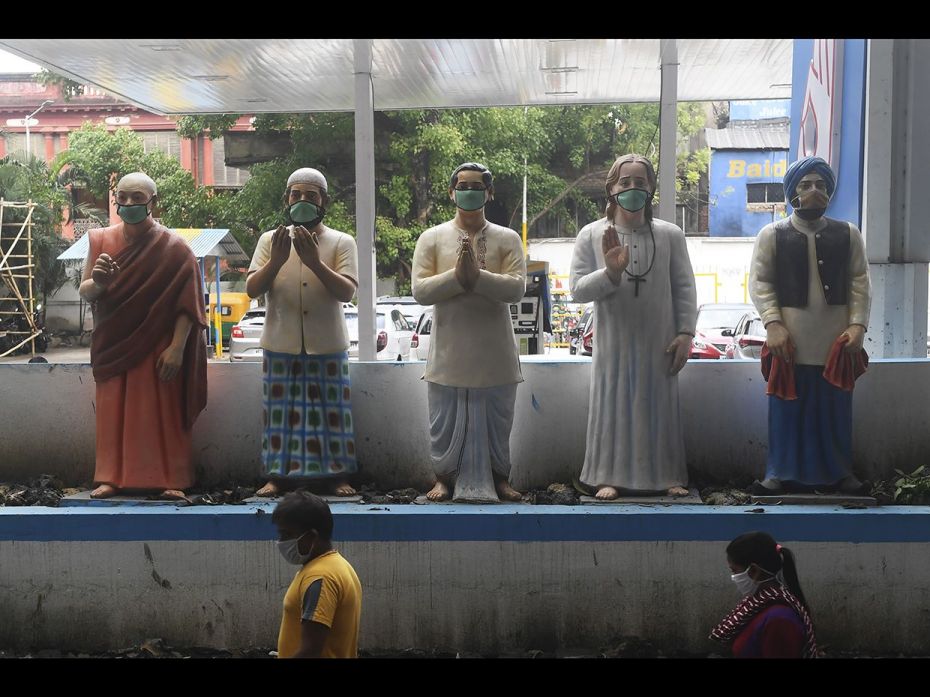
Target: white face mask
291 553
744 584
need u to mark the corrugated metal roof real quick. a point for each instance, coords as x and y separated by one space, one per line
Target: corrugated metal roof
767 138
205 242
178 76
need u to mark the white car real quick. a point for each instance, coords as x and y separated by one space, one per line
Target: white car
394 334
419 348
393 338
407 304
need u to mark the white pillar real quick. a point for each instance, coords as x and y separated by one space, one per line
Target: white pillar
896 208
365 198
668 129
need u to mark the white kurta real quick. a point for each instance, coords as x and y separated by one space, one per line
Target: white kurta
635 439
472 342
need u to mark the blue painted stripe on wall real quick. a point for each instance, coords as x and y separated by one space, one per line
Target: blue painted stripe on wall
504 523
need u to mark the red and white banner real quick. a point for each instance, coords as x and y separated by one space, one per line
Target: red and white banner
823 102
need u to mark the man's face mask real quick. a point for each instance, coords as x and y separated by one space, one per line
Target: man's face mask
470 199
306 213
133 213
811 203
291 553
632 199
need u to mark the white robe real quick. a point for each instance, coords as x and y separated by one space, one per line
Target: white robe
635 439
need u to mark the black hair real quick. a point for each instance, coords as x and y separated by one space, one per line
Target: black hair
760 548
486 175
305 511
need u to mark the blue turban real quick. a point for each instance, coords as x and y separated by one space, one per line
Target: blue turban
808 165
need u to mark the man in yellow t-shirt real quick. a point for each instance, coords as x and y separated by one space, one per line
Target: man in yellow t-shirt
323 605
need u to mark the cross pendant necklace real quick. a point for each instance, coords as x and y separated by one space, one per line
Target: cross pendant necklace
638 278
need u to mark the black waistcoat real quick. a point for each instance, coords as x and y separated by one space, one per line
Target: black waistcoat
791 263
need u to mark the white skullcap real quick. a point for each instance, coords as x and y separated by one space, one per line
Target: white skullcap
307 175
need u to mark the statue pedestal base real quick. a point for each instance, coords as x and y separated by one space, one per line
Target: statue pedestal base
817 500
126 497
648 499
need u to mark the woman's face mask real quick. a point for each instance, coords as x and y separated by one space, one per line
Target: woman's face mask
744 583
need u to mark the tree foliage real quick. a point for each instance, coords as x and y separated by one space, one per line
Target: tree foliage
32 180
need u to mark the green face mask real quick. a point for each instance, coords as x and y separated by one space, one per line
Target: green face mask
470 200
632 199
305 213
133 214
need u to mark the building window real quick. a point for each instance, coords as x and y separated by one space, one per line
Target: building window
223 176
16 145
765 193
167 142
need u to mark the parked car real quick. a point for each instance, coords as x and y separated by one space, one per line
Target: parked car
714 329
419 345
748 338
245 335
576 334
393 339
711 338
408 305
587 336
394 336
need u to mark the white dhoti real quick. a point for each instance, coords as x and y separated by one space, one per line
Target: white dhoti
470 437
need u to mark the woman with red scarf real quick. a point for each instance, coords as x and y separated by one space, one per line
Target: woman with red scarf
772 620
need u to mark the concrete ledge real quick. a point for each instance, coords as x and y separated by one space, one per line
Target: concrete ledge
465 523
476 578
47 421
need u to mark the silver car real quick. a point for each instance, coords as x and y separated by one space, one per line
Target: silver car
244 337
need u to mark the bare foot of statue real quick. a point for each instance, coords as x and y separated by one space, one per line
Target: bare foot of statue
270 489
507 492
173 494
439 492
607 493
104 491
677 491
343 488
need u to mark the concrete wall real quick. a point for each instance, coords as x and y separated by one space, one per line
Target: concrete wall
63 310
47 421
489 579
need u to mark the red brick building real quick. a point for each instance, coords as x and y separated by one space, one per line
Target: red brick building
49 130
